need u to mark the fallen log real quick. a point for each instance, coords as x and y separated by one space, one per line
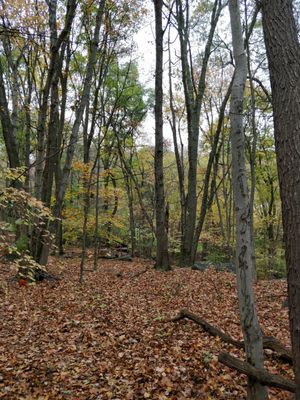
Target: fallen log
125 257
261 375
42 275
208 327
269 342
283 352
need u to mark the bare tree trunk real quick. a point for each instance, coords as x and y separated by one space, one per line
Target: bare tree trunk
84 100
42 117
283 51
137 186
86 208
252 151
7 126
97 208
13 116
178 154
129 192
249 321
27 108
57 159
209 167
162 256
194 94
53 142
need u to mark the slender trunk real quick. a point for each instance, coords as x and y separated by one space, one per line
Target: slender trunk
84 236
178 154
220 218
7 126
194 94
57 159
61 191
283 52
137 186
53 139
162 256
131 219
87 178
129 192
27 109
212 155
42 117
97 208
249 320
252 150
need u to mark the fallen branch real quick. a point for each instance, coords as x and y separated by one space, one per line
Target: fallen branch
269 342
116 257
284 353
208 327
41 275
260 375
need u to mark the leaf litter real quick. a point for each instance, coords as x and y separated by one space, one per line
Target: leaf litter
112 338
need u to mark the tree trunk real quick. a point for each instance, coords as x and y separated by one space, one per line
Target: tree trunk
42 117
249 321
253 145
57 160
178 153
209 167
260 375
53 140
27 108
97 208
10 139
283 51
194 94
84 100
128 187
162 256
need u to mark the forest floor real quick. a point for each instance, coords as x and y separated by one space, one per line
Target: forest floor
112 338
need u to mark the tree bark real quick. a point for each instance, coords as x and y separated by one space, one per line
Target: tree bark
84 101
53 141
259 375
162 256
64 77
7 126
253 145
42 117
283 52
249 321
178 152
212 155
194 94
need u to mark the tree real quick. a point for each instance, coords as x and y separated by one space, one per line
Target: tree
53 70
283 52
82 104
194 93
249 321
7 126
162 257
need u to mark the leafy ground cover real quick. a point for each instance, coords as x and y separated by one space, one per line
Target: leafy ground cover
112 338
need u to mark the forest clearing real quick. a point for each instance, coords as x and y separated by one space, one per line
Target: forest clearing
113 338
